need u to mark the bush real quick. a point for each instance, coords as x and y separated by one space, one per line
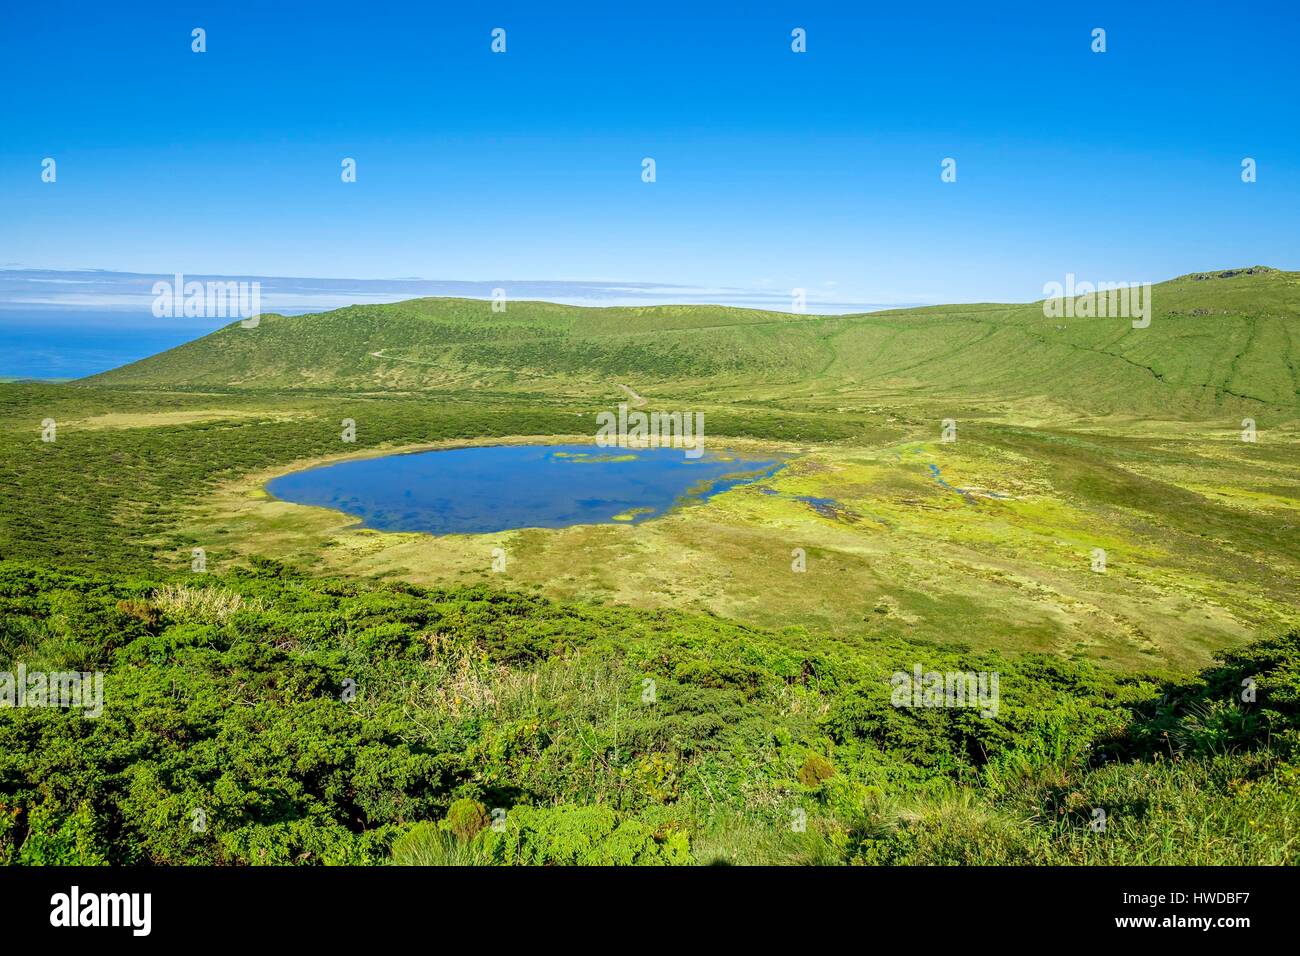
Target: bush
465 818
815 771
62 839
582 836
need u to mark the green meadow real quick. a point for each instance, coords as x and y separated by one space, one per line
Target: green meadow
712 685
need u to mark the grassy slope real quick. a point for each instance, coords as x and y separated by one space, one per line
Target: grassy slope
1213 343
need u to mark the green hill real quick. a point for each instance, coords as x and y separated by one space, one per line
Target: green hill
1216 340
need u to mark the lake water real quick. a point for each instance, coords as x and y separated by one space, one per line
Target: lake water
502 487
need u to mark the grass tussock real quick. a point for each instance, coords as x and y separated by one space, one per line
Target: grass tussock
209 605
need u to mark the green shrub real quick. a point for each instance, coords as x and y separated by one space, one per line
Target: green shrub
58 838
815 771
465 818
582 836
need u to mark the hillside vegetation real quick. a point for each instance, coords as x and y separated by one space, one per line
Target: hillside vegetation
491 728
673 692
1215 340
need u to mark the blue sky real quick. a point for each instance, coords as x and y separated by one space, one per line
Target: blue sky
775 169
